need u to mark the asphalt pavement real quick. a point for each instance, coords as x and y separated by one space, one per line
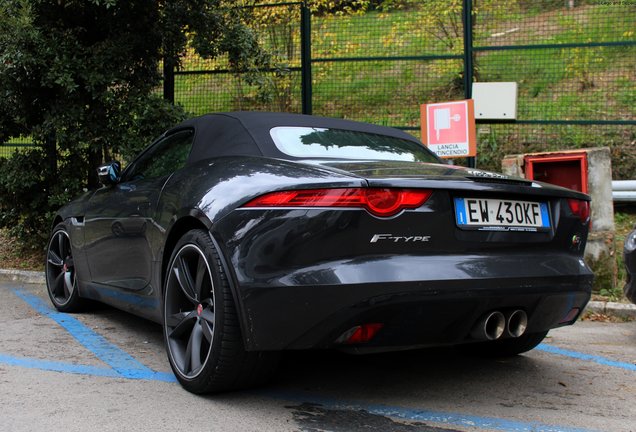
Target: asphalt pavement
106 370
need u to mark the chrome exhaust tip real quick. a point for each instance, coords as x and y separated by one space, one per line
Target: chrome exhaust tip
490 327
517 323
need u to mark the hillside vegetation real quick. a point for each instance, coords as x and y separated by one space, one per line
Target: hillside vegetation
572 83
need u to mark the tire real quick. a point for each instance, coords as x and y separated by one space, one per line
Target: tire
201 329
61 277
506 347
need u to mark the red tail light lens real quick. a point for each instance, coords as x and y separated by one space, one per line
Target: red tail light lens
360 334
381 202
581 209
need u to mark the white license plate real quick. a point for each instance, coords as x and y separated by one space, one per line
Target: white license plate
501 215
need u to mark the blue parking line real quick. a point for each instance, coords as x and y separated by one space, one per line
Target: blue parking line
47 365
581 356
120 361
31 363
438 417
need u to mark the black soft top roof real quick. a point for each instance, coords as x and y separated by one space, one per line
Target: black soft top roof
248 133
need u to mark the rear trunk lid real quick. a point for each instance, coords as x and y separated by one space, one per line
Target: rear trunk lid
441 176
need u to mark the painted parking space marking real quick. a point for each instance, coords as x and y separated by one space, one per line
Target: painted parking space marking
588 357
122 363
427 416
47 365
78 369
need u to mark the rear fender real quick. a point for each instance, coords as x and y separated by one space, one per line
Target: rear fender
196 219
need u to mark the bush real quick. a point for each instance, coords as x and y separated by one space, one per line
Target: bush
24 197
79 78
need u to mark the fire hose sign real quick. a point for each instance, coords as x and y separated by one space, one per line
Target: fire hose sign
448 128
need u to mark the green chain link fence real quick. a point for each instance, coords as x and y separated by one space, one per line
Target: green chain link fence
7 149
574 62
203 86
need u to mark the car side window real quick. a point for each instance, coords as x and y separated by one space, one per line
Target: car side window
163 158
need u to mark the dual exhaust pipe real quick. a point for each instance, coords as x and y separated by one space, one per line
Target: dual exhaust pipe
494 324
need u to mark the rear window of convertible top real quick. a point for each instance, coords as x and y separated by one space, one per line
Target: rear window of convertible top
308 142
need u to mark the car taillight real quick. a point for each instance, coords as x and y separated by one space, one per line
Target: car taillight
581 209
382 202
360 334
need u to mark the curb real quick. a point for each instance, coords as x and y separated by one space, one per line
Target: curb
619 310
24 276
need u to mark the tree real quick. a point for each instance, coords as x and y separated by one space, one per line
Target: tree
80 78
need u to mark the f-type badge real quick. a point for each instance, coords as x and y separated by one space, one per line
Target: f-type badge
399 239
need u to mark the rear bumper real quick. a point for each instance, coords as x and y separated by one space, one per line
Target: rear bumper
421 300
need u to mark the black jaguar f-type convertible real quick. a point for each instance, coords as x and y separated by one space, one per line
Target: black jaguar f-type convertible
245 234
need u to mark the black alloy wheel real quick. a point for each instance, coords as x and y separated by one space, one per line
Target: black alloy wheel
61 277
201 330
189 311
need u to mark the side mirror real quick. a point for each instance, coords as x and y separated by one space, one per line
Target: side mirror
108 174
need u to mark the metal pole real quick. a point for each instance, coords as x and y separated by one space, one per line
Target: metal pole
468 58
168 80
305 58
50 148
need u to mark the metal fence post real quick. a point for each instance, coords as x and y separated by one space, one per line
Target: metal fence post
50 147
305 58
468 57
168 79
